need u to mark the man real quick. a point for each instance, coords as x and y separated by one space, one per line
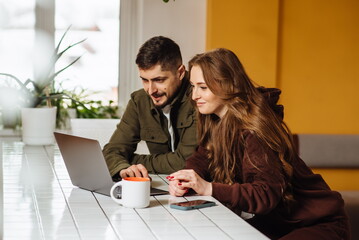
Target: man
160 114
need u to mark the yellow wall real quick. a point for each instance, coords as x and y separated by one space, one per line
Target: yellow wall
307 48
319 65
248 29
340 179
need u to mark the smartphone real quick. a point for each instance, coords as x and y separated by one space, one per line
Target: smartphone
194 204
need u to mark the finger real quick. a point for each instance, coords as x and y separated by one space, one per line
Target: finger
169 178
185 185
123 173
174 186
175 191
172 189
142 170
184 171
130 172
178 185
181 177
176 175
184 175
180 192
135 171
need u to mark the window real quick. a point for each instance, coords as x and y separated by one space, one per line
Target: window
17 21
97 21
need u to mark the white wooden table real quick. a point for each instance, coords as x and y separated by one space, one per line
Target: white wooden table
39 202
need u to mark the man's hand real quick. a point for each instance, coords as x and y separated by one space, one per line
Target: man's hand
137 170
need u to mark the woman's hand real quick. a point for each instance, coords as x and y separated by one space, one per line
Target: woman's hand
175 188
182 180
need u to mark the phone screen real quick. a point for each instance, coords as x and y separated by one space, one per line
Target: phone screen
192 204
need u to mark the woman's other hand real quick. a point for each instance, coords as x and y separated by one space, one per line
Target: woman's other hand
183 180
176 189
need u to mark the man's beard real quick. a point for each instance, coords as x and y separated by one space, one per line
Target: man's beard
161 95
168 101
164 104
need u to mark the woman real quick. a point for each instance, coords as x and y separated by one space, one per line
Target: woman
247 160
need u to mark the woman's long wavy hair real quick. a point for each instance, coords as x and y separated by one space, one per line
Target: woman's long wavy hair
247 110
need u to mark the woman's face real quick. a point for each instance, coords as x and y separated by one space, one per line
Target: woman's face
206 101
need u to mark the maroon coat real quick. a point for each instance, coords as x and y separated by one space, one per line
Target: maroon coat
259 191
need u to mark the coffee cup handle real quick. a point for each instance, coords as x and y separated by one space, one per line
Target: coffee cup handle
119 201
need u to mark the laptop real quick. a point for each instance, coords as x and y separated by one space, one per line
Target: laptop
86 164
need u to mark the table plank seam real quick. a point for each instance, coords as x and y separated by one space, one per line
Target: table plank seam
177 220
64 195
104 212
35 203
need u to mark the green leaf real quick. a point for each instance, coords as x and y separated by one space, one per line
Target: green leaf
58 72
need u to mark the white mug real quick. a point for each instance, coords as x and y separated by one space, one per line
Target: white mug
135 192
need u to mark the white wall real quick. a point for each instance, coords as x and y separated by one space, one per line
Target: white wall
184 21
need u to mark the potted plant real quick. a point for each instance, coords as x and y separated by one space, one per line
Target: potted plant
37 97
79 106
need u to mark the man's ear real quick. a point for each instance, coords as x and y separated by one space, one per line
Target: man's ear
181 71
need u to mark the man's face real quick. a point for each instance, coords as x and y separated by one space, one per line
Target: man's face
160 85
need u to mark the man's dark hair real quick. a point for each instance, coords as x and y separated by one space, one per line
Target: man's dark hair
159 50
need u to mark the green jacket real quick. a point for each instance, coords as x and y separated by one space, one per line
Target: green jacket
142 121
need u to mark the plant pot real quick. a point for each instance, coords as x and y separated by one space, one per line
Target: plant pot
64 117
10 117
38 125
